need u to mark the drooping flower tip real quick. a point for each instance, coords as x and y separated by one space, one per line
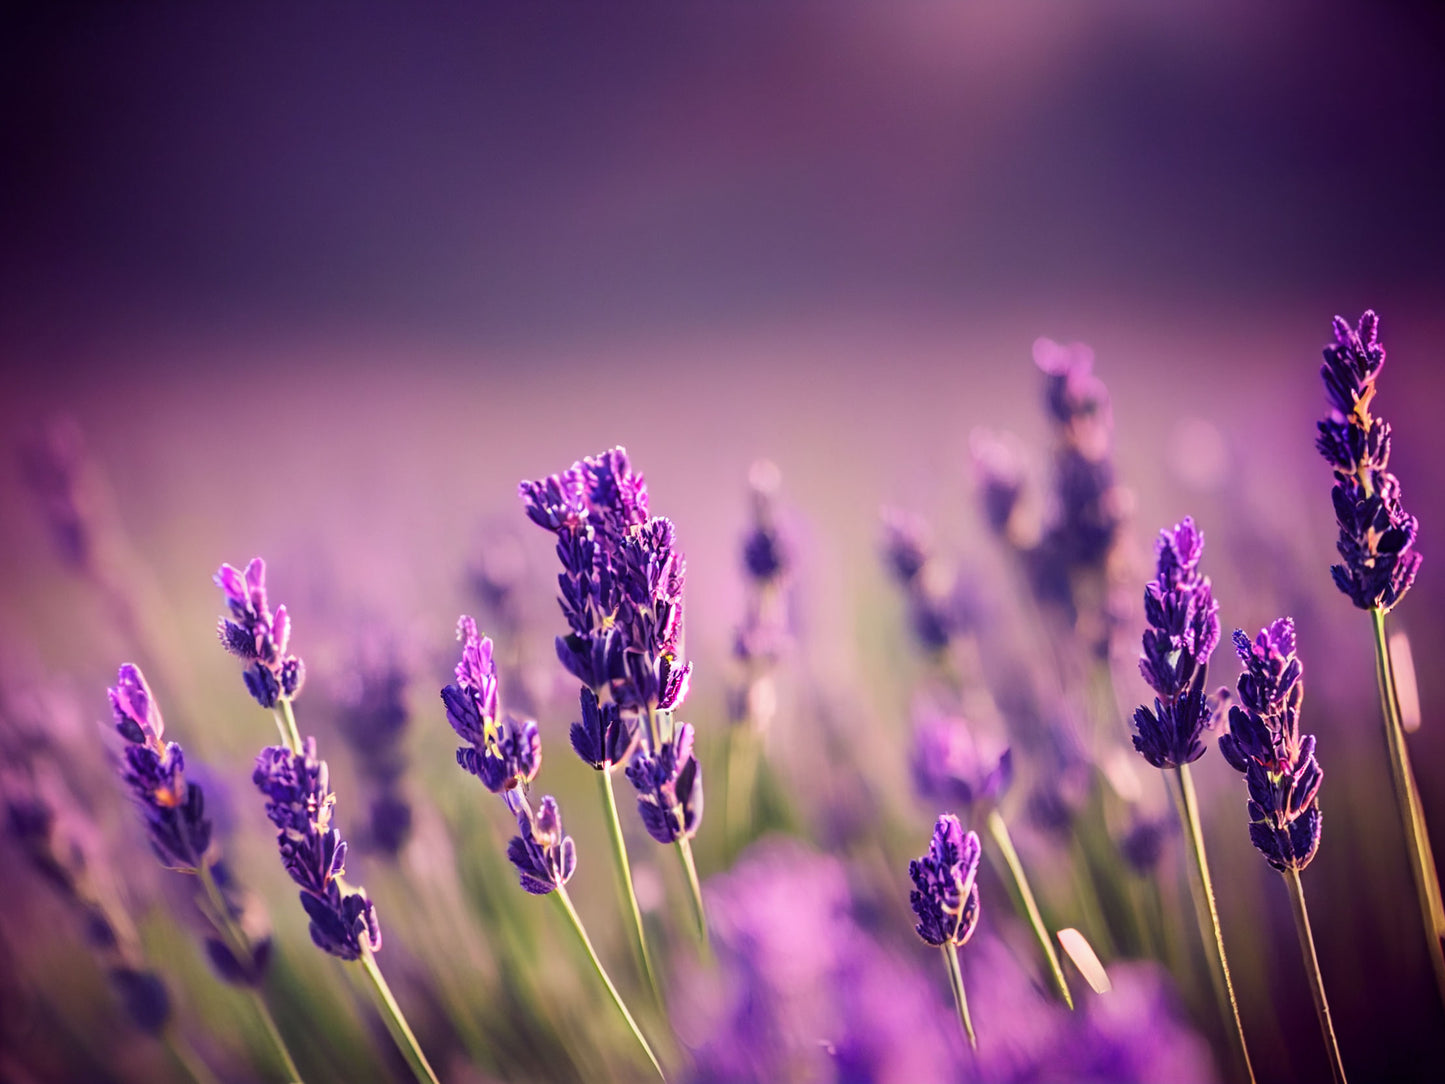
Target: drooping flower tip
137 715
544 855
945 892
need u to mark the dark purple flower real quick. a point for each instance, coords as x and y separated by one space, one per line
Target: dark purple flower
137 716
669 785
1184 630
544 855
1143 844
1377 536
504 753
650 573
951 766
299 802
1265 745
945 895
373 720
999 473
603 739
257 636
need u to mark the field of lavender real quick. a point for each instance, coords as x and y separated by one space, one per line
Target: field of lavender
560 549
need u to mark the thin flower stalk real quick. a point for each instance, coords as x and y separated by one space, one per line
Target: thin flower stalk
299 800
945 901
1379 563
998 829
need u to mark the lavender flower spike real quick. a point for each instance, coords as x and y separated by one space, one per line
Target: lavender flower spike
945 892
504 753
669 784
257 636
544 855
1264 744
1377 536
173 809
1184 620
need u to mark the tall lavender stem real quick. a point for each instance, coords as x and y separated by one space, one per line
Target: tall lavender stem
624 880
1312 968
999 830
960 999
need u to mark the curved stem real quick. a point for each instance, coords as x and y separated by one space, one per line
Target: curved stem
684 850
241 948
1312 967
1412 813
1208 915
955 980
566 903
999 830
624 879
396 1022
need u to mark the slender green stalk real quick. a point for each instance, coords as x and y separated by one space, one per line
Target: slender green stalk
684 850
1312 966
1208 915
186 1057
624 880
572 917
955 980
1412 813
286 723
396 1021
742 773
241 948
999 830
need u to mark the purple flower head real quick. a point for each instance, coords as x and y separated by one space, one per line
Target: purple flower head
669 785
1143 845
999 474
1265 745
544 855
650 576
1377 535
511 760
907 544
174 811
299 802
951 766
1072 391
603 739
765 554
504 753
945 895
257 636
1184 630
373 720
53 466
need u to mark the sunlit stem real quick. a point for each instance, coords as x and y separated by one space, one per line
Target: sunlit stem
960 999
396 1021
1312 966
240 947
1208 915
1412 813
566 904
684 850
624 879
999 830
286 724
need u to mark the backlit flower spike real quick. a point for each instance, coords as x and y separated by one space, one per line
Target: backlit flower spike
1377 536
1184 630
1264 744
257 636
504 753
545 857
945 891
137 715
603 739
669 785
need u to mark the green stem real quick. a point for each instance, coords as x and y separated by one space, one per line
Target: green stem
566 904
1312 967
1208 915
240 947
624 879
1412 812
286 724
955 980
999 830
742 769
396 1021
187 1058
684 850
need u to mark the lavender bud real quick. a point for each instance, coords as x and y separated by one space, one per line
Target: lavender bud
603 738
257 636
504 753
669 785
545 856
945 894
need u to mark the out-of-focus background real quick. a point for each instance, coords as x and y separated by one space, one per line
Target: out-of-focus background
323 284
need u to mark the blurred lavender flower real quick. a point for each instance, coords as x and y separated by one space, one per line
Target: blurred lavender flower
174 810
1377 536
53 463
257 636
1265 745
945 894
1143 844
299 801
669 788
999 474
1184 620
373 721
940 606
504 753
951 765
544 855
763 634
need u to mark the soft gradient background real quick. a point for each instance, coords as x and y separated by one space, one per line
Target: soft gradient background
323 284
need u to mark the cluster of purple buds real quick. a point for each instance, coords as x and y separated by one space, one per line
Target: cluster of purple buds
174 810
939 608
605 737
374 719
669 786
506 755
951 765
1377 535
257 636
945 889
1264 743
1184 630
299 802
